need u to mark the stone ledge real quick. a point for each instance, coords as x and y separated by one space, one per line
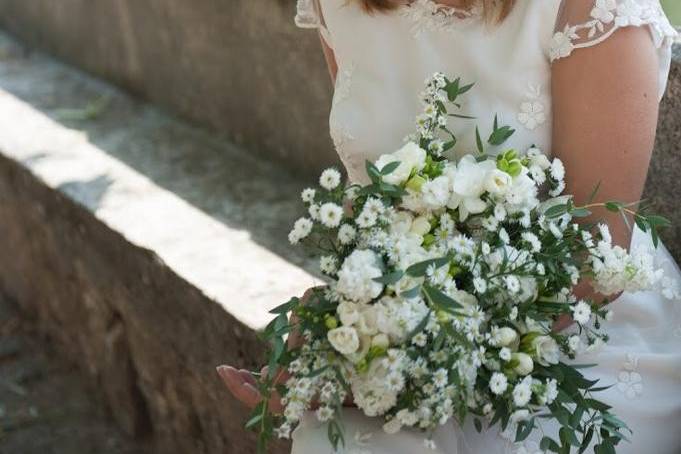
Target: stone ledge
148 250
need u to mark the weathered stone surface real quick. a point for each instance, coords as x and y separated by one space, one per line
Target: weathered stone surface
150 339
240 66
116 223
664 178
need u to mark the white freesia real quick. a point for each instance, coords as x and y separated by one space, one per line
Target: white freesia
498 182
410 157
468 186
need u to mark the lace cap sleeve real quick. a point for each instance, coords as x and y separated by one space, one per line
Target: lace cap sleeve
309 15
586 23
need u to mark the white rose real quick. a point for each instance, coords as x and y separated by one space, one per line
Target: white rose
525 364
546 350
344 339
420 226
367 324
410 157
505 336
364 346
497 182
401 222
348 313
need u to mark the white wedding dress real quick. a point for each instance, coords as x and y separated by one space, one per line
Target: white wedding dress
383 60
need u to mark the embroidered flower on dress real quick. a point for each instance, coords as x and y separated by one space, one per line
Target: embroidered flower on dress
532 112
428 15
629 381
606 17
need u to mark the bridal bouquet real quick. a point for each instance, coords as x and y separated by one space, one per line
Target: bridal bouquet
445 279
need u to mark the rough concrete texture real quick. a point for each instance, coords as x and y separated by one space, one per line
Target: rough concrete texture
240 66
47 406
664 178
147 217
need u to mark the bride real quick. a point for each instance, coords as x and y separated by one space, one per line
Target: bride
580 79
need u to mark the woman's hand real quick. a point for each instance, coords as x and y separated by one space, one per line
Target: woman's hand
243 385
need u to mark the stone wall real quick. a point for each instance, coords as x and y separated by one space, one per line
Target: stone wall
239 66
149 339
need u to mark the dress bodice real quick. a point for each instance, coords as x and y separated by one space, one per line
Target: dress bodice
383 60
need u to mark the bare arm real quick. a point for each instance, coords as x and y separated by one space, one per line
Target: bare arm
605 117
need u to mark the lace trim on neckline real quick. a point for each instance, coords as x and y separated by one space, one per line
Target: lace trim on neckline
608 16
433 16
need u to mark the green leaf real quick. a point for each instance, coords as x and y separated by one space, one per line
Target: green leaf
614 206
586 440
592 196
465 88
556 211
439 299
254 420
373 172
500 135
390 168
411 293
390 278
478 141
567 436
419 269
524 430
548 444
478 425
286 307
580 213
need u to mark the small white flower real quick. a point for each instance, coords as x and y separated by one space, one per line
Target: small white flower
505 354
331 215
314 211
498 383
328 264
522 392
557 170
574 343
512 284
440 378
308 195
532 239
581 312
346 234
301 229
514 313
420 340
324 413
366 219
330 179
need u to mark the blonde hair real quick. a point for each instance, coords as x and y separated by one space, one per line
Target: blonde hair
493 10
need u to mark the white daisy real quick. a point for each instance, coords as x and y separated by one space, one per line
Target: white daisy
330 179
331 215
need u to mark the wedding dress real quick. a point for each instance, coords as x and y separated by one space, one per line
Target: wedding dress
383 60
